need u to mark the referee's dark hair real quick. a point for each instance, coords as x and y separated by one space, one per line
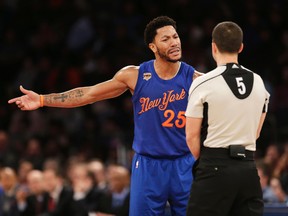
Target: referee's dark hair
228 37
151 28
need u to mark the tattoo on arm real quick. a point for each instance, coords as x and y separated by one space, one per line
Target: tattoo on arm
73 96
62 97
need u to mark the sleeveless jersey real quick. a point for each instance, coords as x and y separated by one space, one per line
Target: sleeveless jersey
159 112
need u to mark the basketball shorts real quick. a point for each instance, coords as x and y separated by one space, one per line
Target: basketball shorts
158 182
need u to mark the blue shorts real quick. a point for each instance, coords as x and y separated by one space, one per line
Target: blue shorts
154 182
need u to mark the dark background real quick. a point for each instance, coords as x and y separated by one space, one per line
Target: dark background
54 45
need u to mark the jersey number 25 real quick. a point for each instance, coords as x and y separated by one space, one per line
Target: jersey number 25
170 115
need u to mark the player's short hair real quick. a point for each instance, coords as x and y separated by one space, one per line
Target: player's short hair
228 37
151 28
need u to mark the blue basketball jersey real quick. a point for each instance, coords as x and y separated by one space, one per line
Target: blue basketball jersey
159 112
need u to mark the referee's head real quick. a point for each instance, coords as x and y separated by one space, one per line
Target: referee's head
228 37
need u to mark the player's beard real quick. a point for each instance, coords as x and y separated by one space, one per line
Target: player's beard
164 56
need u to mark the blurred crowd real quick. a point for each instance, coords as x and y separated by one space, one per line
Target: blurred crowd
81 189
54 45
273 174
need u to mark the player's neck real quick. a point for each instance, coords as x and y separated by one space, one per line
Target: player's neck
166 70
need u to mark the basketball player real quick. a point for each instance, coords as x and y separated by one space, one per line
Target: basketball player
161 168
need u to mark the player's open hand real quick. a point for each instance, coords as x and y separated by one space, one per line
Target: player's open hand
29 101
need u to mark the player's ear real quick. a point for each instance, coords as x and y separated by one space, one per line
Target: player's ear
152 47
241 48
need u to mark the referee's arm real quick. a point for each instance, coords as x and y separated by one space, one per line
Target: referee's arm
193 129
263 116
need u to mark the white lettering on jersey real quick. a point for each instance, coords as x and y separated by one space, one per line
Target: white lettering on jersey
241 85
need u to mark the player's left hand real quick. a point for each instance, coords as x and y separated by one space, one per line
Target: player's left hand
197 74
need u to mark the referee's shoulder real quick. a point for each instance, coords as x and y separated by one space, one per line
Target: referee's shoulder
204 79
253 72
206 76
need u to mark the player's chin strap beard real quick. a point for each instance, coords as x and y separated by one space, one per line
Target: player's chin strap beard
165 57
173 61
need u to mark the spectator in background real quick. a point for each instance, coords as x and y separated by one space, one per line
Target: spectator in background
7 157
116 199
51 163
9 184
33 152
280 170
86 192
24 168
277 188
268 193
60 200
272 155
33 202
98 168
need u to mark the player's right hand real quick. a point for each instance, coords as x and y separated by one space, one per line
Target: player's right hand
29 101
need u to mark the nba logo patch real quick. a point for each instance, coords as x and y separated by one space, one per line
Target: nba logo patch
147 76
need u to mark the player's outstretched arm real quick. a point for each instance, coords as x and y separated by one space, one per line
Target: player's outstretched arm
72 98
123 80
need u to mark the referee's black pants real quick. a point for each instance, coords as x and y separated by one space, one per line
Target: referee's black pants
224 186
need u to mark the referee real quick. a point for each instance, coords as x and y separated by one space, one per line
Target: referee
225 114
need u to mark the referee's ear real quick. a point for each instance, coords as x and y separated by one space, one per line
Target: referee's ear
214 50
241 48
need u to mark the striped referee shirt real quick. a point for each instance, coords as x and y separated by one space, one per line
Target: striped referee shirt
230 99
